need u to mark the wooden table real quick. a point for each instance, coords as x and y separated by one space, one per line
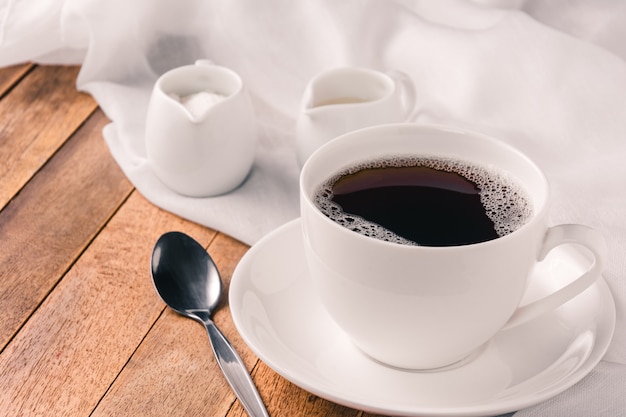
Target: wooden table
82 330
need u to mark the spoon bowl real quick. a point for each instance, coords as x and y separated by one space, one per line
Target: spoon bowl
187 280
185 276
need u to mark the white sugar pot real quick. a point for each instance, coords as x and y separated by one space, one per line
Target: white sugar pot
200 130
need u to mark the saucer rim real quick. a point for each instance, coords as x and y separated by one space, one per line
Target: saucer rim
502 406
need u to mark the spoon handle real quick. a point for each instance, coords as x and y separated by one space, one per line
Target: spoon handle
235 371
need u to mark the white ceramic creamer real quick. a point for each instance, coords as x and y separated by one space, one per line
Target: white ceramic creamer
350 98
200 130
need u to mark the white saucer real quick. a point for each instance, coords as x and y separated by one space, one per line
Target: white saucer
276 311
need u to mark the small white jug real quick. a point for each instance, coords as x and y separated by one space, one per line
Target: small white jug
200 130
349 98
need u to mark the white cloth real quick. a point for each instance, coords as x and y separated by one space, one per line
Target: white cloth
547 77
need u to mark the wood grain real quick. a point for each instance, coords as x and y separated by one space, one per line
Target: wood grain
39 115
49 223
9 76
77 342
176 366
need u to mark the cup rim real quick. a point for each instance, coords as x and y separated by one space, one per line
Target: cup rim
199 68
537 216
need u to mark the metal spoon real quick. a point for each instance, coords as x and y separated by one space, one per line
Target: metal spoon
188 281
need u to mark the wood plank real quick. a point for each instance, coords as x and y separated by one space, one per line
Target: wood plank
165 375
68 354
38 116
177 355
47 226
9 76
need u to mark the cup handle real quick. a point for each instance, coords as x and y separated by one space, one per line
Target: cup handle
555 236
408 93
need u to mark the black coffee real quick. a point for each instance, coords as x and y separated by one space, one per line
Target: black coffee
424 201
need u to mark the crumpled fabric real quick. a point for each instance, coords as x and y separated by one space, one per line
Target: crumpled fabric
546 77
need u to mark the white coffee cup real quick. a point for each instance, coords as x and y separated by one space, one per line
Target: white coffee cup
420 307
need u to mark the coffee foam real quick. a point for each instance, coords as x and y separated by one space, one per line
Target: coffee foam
506 203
